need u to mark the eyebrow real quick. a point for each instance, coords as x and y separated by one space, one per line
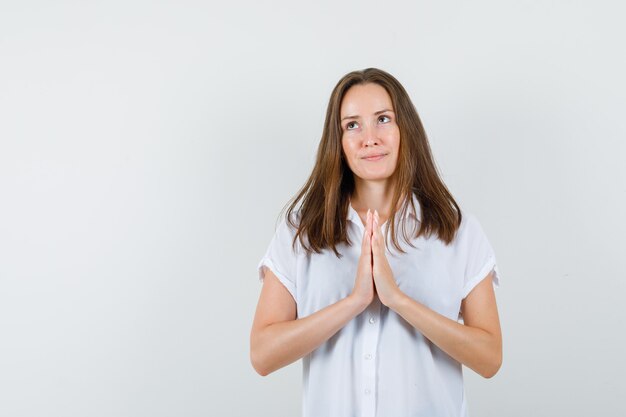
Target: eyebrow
375 114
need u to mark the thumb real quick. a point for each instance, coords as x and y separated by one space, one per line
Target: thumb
374 235
366 242
368 236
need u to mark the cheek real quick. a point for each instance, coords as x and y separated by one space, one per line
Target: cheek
396 142
348 149
345 151
349 156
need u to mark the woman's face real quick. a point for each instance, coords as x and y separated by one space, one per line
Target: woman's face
369 129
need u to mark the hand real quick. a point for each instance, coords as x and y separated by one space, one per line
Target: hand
364 283
386 287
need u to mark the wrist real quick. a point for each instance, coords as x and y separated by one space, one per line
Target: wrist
358 303
396 302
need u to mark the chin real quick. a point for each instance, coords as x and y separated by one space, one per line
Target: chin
373 177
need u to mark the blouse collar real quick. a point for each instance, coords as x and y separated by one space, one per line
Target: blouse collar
354 216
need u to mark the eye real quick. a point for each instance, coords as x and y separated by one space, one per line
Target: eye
349 124
384 117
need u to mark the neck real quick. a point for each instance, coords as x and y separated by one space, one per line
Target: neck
372 195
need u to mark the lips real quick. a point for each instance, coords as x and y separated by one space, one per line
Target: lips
374 157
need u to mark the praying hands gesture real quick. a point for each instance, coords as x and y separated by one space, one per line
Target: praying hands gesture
374 275
477 343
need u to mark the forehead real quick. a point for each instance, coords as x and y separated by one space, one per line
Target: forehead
363 99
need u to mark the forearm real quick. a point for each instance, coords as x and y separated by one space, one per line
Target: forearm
280 344
471 346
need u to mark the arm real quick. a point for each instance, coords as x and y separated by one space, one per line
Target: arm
278 338
476 344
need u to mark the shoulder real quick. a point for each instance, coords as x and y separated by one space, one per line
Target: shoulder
289 224
286 230
469 228
468 219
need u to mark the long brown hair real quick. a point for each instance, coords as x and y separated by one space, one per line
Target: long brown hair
326 194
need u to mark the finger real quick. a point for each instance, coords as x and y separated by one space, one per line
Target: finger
367 222
370 225
365 242
375 232
368 228
366 245
380 241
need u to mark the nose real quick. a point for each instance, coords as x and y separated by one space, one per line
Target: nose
369 135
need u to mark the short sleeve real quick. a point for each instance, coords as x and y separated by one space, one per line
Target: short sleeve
280 258
480 257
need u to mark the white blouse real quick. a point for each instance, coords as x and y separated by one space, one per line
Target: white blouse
378 364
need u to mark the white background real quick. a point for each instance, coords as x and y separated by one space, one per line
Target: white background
147 147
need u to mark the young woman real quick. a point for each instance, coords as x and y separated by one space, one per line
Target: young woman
383 329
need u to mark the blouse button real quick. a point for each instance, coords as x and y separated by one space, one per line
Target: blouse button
368 356
367 391
372 320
